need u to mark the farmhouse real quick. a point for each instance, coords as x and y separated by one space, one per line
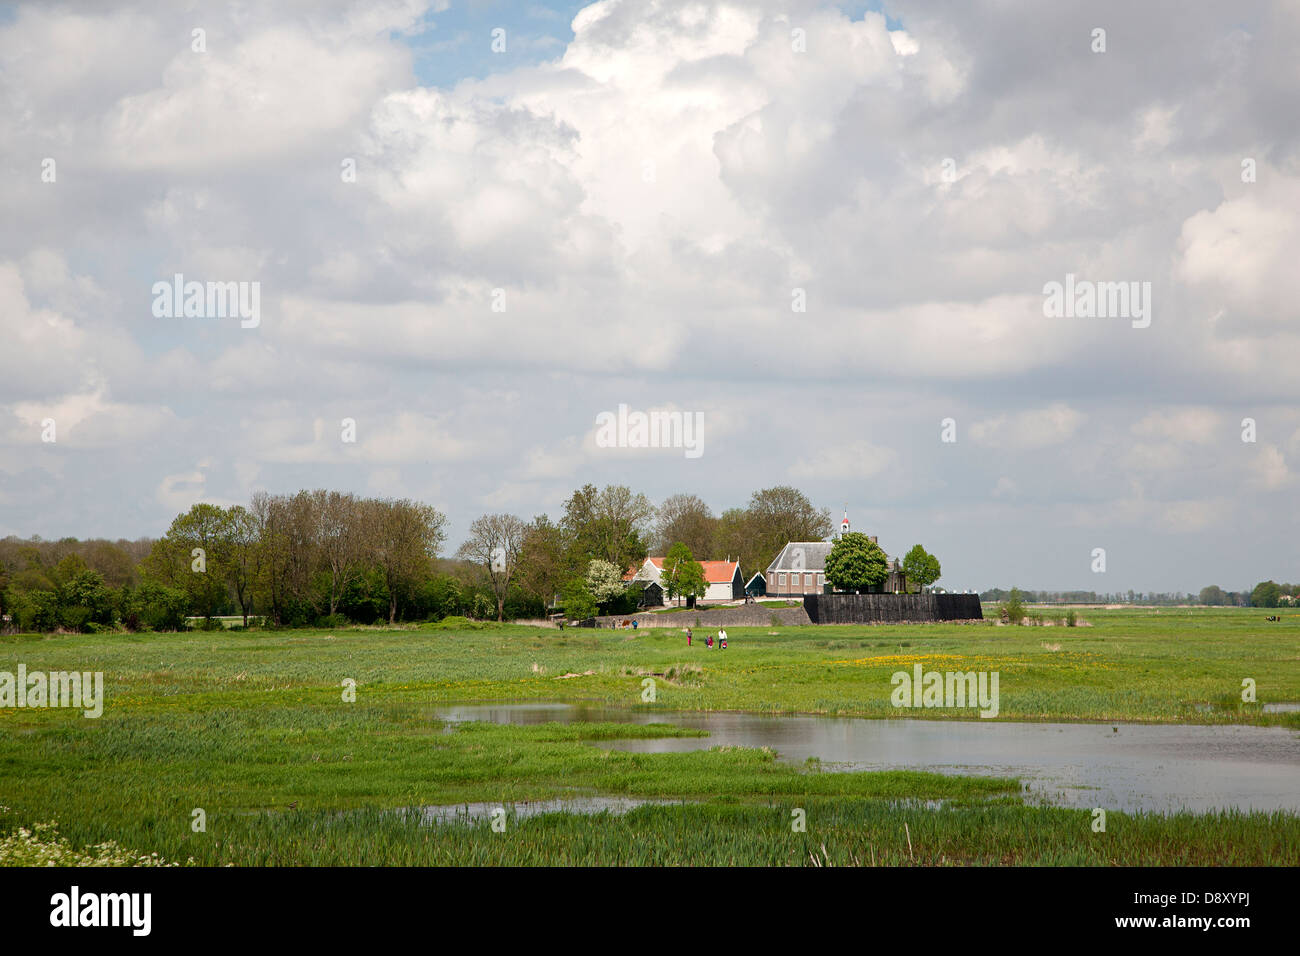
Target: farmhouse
800 568
723 579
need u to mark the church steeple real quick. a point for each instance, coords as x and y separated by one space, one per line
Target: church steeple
844 525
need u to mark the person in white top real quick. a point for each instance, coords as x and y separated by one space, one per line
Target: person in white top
722 639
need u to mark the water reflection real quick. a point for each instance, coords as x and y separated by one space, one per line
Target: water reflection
1116 766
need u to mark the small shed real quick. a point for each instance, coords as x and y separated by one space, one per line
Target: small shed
652 595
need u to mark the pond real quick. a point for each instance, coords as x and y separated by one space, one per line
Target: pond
1128 767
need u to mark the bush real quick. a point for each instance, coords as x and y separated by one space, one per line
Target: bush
154 608
35 611
1012 609
625 603
1072 619
84 600
578 602
455 622
74 618
483 609
437 598
332 620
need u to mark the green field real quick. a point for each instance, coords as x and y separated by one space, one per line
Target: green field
252 728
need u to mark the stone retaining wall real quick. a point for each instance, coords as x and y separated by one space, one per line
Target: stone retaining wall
741 615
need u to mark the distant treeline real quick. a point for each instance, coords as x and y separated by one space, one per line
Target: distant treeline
311 558
324 558
1264 594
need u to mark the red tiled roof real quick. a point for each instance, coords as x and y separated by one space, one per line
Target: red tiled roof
718 572
715 572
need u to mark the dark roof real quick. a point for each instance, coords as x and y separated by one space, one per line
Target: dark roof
813 558
811 554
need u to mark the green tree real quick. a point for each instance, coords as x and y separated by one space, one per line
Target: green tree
405 537
35 610
1212 596
542 561
286 553
68 568
439 597
242 533
1013 608
607 525
1265 594
192 556
921 567
682 575
578 601
154 607
84 600
856 563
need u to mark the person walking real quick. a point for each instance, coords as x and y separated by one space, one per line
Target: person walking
688 637
722 639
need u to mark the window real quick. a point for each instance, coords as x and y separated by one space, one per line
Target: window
782 579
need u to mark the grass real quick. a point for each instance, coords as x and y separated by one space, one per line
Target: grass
1162 666
252 728
838 833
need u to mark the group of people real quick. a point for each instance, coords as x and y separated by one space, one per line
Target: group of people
708 639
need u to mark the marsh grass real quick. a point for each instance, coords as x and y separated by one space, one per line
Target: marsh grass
856 832
251 727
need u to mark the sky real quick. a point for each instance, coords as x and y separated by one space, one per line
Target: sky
828 234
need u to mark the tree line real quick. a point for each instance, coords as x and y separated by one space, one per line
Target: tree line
325 558
1264 594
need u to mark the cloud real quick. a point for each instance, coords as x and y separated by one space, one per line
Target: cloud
1242 253
1196 425
1037 428
849 460
1269 469
645 201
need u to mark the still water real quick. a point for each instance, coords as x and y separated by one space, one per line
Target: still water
1117 766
